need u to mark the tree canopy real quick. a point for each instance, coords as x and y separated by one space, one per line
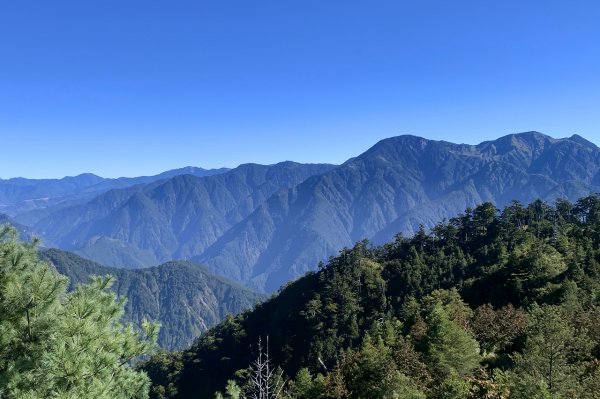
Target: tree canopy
59 344
490 304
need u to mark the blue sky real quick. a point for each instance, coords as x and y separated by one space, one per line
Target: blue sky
137 87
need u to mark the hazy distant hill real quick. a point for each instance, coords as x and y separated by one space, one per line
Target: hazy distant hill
393 187
183 296
27 199
175 218
118 253
25 233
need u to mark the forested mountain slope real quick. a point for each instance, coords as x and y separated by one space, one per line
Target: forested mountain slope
172 219
397 185
184 297
488 305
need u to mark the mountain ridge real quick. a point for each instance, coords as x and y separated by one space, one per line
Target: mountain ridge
266 224
395 186
174 218
27 200
183 296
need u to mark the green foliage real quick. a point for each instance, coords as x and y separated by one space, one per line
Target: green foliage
497 330
304 386
555 353
453 387
490 304
232 391
163 369
372 373
183 296
55 344
448 348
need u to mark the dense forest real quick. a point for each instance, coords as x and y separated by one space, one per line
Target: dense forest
490 304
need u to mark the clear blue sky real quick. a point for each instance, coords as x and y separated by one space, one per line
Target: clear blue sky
136 87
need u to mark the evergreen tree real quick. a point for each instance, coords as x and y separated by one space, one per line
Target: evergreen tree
449 348
63 345
409 318
232 391
304 386
548 360
496 330
369 373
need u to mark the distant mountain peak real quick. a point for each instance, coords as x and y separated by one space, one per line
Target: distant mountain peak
529 138
187 169
392 147
191 170
580 140
92 175
512 141
517 148
523 138
532 135
541 138
408 139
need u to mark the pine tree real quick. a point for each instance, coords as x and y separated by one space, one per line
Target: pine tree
370 373
547 360
304 386
232 391
449 348
56 344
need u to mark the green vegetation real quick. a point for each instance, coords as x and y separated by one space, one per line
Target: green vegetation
184 297
55 344
487 305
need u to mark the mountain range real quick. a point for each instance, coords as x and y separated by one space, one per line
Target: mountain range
394 187
169 219
184 297
29 199
265 225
